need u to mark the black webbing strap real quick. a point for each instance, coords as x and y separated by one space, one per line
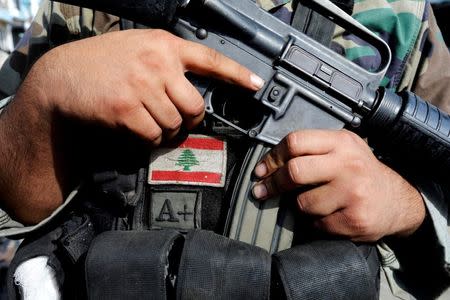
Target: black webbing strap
315 25
215 267
327 270
131 264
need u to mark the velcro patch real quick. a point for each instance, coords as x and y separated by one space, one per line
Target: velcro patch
179 210
200 160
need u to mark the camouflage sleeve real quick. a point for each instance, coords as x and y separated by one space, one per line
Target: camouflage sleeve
33 44
432 82
433 70
427 73
54 24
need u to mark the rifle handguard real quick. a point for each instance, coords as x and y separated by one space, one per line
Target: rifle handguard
407 127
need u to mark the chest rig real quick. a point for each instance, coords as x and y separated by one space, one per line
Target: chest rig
184 185
182 224
226 205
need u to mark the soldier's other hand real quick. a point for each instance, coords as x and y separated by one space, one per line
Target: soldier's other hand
349 191
134 79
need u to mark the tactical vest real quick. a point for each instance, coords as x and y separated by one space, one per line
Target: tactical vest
185 226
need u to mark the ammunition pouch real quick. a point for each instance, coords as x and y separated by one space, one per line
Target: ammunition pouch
164 264
337 269
132 264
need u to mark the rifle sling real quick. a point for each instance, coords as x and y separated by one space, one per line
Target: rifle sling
314 24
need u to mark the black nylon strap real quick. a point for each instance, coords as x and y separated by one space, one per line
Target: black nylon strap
77 236
315 25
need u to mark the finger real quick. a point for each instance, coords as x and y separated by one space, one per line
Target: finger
188 101
164 112
206 61
321 201
141 123
298 143
297 172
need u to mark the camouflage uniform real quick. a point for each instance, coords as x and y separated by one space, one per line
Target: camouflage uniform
421 63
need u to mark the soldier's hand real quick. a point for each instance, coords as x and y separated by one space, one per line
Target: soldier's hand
130 79
134 79
351 193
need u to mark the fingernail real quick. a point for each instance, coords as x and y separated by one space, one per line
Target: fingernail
259 191
261 170
257 81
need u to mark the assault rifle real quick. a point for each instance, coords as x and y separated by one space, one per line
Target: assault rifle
307 84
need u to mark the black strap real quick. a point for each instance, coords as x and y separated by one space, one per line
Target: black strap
314 24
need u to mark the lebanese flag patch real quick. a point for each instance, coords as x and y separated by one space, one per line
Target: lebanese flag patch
199 160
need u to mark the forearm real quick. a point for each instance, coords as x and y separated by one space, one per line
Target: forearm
29 187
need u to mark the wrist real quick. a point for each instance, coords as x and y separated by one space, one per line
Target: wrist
27 156
412 214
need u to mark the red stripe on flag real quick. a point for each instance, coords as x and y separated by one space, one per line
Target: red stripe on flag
205 177
202 143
